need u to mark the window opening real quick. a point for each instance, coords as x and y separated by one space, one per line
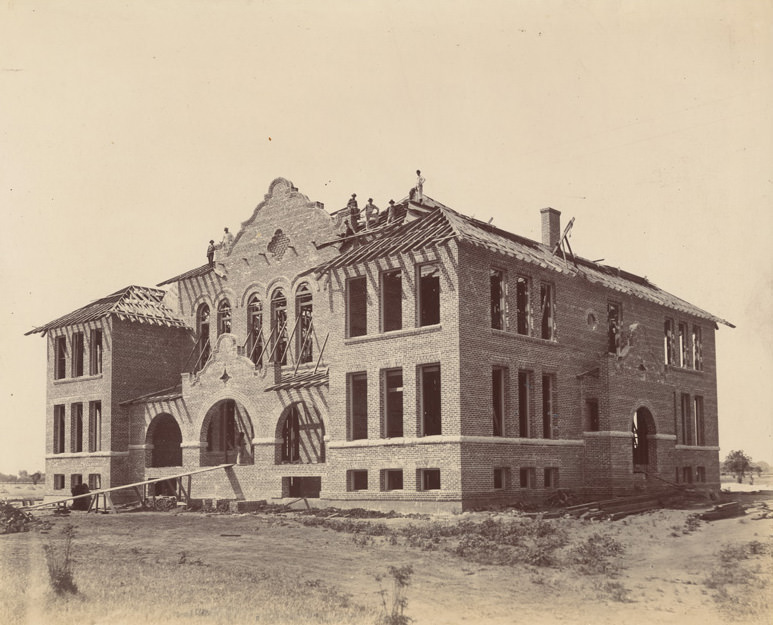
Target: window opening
95 481
291 437
60 347
357 306
548 323
700 474
77 354
640 431
358 406
429 295
698 424
592 412
528 477
669 342
498 400
684 346
76 479
358 480
224 317
202 329
95 426
76 420
95 352
221 433
614 319
430 400
391 300
393 479
255 330
500 478
279 327
58 481
393 411
304 311
522 305
549 416
687 475
685 420
551 477
59 429
429 479
497 281
524 403
697 348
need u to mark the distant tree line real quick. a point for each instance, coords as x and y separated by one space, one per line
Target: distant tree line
24 477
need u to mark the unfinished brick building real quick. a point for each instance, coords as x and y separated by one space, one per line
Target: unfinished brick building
384 359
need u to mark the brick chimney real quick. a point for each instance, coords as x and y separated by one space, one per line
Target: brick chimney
551 227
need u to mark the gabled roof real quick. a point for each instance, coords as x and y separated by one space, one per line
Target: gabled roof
193 273
132 303
441 224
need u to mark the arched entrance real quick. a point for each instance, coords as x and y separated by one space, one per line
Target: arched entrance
165 436
227 432
301 432
642 427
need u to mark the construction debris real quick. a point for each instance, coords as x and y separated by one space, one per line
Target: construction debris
13 520
724 511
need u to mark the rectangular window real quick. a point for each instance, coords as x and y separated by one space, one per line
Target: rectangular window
669 342
58 481
498 381
700 474
549 416
684 346
95 426
76 424
59 429
522 305
357 306
393 403
697 348
429 479
501 478
391 301
392 479
684 430
77 354
591 415
524 403
95 352
551 477
358 480
358 406
76 479
528 477
687 475
547 315
497 281
430 400
614 320
95 481
698 423
60 355
429 295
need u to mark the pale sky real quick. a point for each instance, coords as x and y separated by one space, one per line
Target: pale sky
132 133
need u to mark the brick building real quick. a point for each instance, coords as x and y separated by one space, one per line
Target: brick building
383 359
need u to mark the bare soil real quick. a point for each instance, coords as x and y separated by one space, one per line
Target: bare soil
194 567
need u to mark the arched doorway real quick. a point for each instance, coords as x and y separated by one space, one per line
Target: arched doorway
227 431
165 436
642 427
302 433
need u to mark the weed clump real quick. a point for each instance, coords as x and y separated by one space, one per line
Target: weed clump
59 561
393 608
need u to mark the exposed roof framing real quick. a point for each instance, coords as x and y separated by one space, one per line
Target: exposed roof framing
303 380
167 394
132 303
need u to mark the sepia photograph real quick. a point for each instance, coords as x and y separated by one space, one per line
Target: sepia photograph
386 312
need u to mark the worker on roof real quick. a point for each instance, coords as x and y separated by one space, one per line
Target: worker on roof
211 253
371 213
354 212
228 240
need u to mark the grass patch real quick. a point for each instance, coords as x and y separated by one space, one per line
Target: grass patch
59 560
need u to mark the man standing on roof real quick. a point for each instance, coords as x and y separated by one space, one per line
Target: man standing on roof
228 240
211 253
371 213
419 186
354 212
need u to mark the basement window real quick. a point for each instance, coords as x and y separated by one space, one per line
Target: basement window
547 313
429 479
60 357
76 421
95 426
392 479
522 322
358 406
59 429
697 348
393 403
357 306
524 402
528 477
95 352
430 400
501 478
551 477
77 354
497 280
687 475
700 474
429 295
498 377
614 319
58 481
391 300
549 407
669 342
357 480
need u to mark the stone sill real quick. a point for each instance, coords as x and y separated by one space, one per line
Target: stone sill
393 334
523 337
80 378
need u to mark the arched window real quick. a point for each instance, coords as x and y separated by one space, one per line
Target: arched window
642 427
279 327
255 331
305 331
224 317
202 332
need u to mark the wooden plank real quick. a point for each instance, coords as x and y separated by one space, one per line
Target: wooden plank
135 484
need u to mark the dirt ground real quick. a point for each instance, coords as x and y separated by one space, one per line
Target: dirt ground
194 567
